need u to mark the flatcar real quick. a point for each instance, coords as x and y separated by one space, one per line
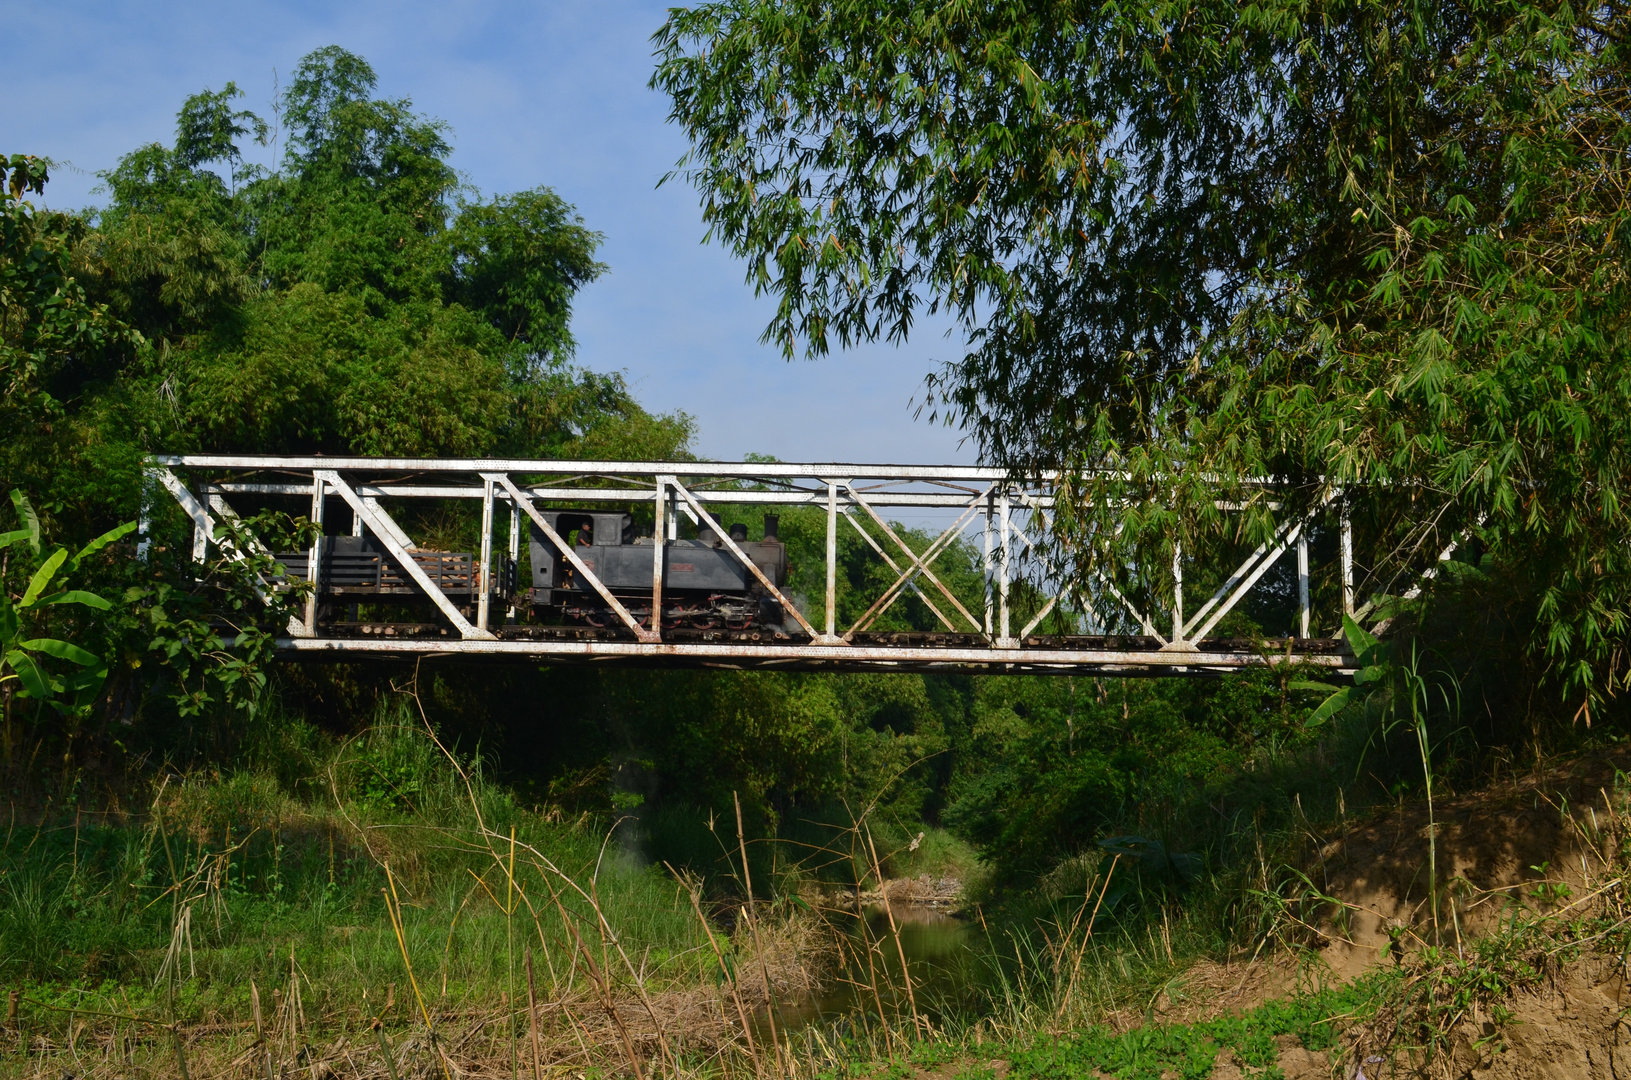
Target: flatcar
705 586
358 568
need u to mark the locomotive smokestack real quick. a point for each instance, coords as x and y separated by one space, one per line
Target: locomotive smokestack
772 523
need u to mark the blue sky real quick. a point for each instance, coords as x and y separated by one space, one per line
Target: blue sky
549 93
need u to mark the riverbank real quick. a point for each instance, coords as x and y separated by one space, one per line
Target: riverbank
1415 1019
230 926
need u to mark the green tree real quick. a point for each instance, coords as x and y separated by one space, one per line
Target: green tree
51 332
353 298
1373 246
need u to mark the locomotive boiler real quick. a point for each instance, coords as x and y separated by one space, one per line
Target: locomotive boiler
705 586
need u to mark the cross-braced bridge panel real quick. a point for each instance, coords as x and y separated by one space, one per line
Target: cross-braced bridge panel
657 563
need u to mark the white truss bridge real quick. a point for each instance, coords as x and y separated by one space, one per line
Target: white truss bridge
1016 624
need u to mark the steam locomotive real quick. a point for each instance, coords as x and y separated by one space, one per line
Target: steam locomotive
705 586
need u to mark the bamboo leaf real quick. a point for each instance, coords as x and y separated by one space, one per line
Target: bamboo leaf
35 684
62 650
26 515
42 578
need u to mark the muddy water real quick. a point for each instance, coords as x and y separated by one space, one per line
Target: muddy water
939 959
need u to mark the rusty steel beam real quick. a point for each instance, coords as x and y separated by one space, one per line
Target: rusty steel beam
826 657
738 497
750 470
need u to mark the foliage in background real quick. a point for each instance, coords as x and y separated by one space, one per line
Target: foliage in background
1374 247
353 299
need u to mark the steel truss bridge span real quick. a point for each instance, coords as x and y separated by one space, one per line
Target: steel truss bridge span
471 605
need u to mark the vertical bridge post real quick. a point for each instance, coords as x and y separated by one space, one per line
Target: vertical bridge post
1005 640
830 634
314 559
659 548
485 582
1347 562
1302 584
515 554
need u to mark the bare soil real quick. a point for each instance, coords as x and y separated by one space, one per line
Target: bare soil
1526 842
1536 843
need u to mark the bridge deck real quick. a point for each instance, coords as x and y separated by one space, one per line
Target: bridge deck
1060 655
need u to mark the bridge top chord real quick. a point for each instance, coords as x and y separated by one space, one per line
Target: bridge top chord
614 580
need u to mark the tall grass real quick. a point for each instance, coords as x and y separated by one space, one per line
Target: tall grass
388 887
400 890
390 906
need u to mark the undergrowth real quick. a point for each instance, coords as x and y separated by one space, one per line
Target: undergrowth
394 908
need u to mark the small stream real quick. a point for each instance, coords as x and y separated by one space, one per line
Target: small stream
943 965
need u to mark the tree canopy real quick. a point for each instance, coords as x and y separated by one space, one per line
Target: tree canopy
1377 247
355 298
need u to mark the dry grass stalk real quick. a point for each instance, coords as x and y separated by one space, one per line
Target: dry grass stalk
753 925
729 973
918 1023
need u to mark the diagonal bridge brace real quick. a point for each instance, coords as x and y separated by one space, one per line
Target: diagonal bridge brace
1036 508
895 567
1256 565
918 564
1047 564
386 532
204 526
719 531
583 572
